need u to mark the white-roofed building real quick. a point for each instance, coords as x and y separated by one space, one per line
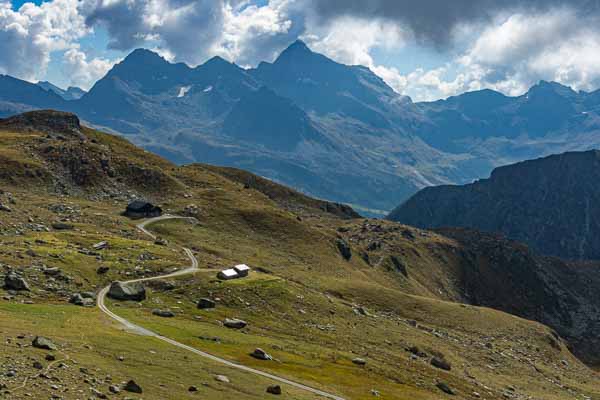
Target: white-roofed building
242 269
228 274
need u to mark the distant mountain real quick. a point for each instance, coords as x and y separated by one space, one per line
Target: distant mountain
552 204
17 96
71 93
330 130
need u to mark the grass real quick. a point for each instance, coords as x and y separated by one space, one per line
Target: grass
302 299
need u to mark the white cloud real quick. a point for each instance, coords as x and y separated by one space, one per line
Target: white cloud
507 52
252 34
186 29
82 72
30 34
520 49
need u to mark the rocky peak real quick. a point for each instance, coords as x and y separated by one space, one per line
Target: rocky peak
47 121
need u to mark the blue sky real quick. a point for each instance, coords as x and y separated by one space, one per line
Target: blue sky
507 46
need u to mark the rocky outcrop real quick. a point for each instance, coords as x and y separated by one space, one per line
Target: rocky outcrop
47 121
134 291
12 281
552 204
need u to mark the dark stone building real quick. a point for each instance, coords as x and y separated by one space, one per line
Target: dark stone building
142 209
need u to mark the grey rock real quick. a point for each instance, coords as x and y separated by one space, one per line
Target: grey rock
43 343
260 354
441 363
163 313
445 388
62 226
274 389
344 248
102 270
234 323
134 291
132 387
359 361
12 281
222 378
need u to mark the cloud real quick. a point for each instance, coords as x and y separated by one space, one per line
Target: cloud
559 45
30 34
434 21
82 72
186 29
254 33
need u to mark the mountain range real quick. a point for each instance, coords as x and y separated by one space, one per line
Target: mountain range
549 203
331 130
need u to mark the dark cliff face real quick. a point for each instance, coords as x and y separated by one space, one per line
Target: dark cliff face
508 276
552 204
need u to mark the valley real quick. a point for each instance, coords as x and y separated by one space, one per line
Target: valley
356 307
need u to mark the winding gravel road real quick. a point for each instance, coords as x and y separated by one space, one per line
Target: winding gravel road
130 326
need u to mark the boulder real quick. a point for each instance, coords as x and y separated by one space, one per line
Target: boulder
102 270
344 249
222 378
163 313
79 300
441 363
43 343
205 303
274 389
234 323
132 387
62 226
359 361
134 291
445 388
260 354
12 281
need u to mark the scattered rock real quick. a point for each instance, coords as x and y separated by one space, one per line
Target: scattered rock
5 208
274 389
50 357
441 363
445 388
161 242
12 281
205 303
222 378
114 389
344 248
163 313
37 365
79 300
359 361
127 291
260 354
62 226
102 270
43 343
192 389
235 323
132 387
98 393
100 245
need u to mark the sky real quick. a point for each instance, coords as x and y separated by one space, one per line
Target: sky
426 49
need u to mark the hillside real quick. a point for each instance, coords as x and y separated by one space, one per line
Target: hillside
355 307
333 131
549 203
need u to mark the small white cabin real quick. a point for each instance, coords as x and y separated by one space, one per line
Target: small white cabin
228 274
242 270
